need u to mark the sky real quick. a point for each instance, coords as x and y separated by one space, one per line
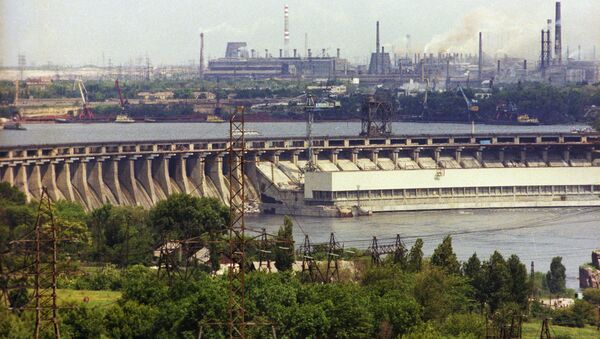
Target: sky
78 32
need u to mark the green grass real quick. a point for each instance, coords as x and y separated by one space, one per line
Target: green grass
96 298
532 330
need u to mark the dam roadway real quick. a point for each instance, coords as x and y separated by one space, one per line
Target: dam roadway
423 171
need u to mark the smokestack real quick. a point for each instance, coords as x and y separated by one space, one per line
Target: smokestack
286 31
201 66
253 53
579 52
525 64
295 53
266 53
309 53
377 37
323 52
543 62
338 53
549 42
498 71
377 48
280 53
381 63
480 63
558 35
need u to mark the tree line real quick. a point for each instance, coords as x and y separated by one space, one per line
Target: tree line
409 295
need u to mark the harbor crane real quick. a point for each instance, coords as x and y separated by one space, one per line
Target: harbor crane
472 105
86 112
124 116
122 101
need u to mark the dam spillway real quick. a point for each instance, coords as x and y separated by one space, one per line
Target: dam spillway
403 172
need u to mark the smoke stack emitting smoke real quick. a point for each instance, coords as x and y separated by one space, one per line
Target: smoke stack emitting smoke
505 33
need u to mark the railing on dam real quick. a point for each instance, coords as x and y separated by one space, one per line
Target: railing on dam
8 153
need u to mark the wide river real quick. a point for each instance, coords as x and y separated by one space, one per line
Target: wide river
37 134
533 234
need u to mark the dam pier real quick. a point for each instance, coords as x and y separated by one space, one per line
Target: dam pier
353 174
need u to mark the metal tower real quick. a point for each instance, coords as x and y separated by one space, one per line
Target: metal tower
237 242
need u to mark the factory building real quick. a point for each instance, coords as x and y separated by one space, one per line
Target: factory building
238 62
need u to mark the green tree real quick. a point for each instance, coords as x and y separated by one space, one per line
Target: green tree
440 293
445 258
121 234
130 319
415 257
182 216
284 248
475 275
395 314
496 281
82 322
519 288
556 277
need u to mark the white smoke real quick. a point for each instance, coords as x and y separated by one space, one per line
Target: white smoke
512 35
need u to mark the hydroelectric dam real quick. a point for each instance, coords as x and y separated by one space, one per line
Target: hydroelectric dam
353 174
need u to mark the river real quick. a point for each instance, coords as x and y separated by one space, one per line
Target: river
533 234
38 134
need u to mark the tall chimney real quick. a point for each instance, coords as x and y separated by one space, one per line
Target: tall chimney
295 52
286 31
338 53
498 71
377 48
480 63
558 35
525 64
266 53
201 66
543 58
382 56
549 43
579 52
323 52
280 53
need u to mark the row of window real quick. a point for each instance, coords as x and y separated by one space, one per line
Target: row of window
455 192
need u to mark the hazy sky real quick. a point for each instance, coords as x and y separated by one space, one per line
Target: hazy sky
80 31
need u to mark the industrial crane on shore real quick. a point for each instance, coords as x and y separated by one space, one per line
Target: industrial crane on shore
472 105
86 112
124 116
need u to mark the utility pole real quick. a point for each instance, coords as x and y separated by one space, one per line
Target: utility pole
237 243
311 166
45 265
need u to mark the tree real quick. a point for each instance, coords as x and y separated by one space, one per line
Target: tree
519 287
121 235
474 273
11 194
182 216
284 248
497 281
444 257
415 257
556 277
440 293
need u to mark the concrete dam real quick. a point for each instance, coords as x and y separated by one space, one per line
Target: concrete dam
353 174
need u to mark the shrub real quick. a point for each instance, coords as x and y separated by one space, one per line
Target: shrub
464 325
592 295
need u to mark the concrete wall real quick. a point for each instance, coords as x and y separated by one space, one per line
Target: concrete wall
479 177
